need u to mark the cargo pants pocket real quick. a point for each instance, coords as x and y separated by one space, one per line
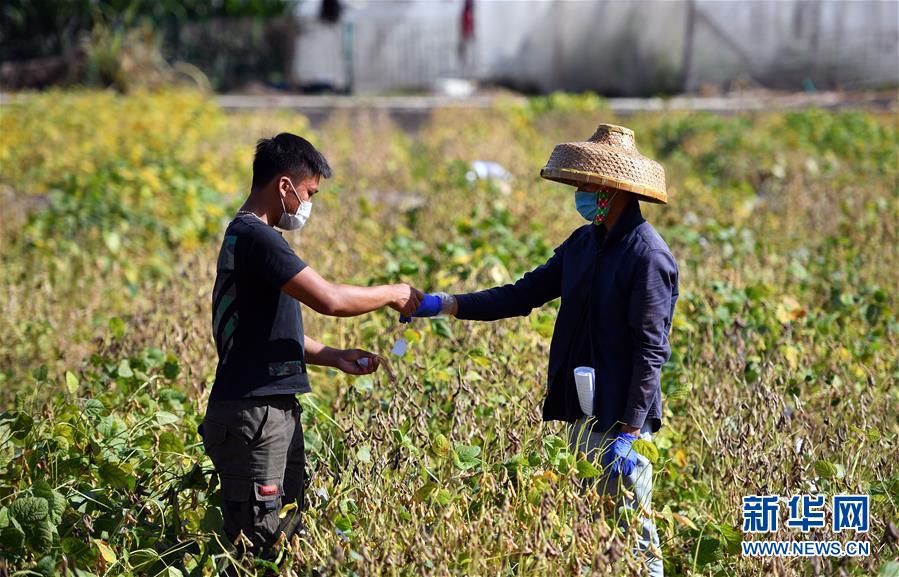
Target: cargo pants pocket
253 508
213 435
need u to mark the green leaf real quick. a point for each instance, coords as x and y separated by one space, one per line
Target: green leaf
466 456
343 523
364 384
78 549
117 327
46 566
154 357
472 376
443 497
423 492
441 327
116 476
40 536
171 368
19 424
647 449
164 418
840 470
124 369
57 502
586 469
40 373
194 479
93 408
709 551
364 454
113 241
731 538
889 569
71 383
553 444
408 268
12 537
112 429
440 446
825 469
142 559
29 510
212 520
58 506
169 442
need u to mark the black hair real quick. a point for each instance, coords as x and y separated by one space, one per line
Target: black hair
287 154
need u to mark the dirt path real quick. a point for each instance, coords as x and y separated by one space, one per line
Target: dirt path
410 112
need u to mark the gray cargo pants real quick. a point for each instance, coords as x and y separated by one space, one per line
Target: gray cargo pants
256 445
583 437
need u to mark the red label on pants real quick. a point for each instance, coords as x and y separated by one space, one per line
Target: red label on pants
266 490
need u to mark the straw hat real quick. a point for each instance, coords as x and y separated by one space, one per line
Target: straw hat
609 158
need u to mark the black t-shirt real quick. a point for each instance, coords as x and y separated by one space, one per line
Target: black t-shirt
258 328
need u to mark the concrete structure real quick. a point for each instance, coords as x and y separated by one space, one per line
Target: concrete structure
614 47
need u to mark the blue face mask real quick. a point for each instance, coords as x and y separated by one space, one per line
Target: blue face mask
586 204
593 206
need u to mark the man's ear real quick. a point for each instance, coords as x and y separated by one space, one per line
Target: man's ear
283 186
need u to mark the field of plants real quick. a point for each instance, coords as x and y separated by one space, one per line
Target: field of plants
783 377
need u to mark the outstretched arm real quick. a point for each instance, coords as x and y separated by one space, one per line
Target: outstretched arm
272 259
342 300
347 360
532 290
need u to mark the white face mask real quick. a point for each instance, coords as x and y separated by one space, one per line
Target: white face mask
297 220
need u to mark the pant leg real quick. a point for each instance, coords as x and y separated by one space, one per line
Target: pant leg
584 437
640 483
295 478
248 442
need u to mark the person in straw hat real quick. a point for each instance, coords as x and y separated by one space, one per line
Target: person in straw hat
618 282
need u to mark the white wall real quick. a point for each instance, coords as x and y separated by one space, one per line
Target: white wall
612 46
850 43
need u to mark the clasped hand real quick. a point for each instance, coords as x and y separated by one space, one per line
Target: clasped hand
620 457
430 306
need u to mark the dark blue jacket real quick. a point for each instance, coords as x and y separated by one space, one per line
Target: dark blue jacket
618 292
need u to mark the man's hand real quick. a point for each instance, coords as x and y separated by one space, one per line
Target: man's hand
406 299
357 362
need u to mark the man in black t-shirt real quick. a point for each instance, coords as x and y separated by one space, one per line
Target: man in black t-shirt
252 430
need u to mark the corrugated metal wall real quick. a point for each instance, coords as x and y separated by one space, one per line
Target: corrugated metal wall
615 47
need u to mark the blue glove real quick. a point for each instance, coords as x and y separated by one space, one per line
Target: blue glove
620 458
429 307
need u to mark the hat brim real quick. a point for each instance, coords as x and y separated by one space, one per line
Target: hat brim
575 177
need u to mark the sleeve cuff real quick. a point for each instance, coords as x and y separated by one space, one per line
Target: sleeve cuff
290 273
635 417
462 302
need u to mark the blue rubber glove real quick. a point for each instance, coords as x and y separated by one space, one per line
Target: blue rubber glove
429 307
620 458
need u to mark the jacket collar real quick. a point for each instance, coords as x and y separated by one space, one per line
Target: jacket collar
629 219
